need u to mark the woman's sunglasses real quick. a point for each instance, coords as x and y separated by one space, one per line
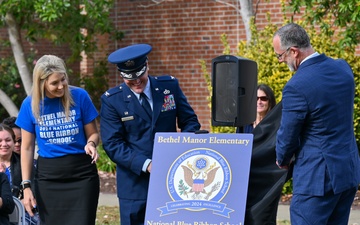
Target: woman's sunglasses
263 98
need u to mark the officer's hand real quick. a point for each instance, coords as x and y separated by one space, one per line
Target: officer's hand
149 167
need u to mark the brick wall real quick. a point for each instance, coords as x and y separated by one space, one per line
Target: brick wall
181 33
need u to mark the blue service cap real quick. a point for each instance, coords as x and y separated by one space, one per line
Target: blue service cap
131 60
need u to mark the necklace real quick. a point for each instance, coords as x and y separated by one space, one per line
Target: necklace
255 123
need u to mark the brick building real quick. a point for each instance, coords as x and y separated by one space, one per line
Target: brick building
181 32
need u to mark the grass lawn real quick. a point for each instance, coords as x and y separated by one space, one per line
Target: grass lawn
283 222
107 215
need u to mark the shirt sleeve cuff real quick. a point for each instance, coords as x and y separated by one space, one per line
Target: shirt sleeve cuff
146 164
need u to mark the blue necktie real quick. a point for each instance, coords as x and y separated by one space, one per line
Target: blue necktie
145 103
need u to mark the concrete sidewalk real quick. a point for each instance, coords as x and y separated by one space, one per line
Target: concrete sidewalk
283 210
108 200
284 214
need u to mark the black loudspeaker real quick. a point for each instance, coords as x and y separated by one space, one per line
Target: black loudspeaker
234 91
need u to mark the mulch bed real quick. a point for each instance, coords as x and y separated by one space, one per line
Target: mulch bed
107 182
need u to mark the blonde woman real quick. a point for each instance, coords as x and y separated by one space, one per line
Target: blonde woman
61 119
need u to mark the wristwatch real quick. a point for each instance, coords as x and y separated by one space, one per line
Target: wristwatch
25 185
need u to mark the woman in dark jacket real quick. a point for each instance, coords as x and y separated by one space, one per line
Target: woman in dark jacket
6 200
9 160
10 165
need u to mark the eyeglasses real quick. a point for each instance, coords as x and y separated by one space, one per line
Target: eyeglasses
18 141
279 56
263 98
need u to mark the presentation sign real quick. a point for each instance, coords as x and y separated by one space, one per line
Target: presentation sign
199 179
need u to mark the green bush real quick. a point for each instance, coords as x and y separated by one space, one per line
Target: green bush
324 40
10 82
104 163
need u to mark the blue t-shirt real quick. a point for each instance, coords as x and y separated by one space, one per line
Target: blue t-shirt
55 134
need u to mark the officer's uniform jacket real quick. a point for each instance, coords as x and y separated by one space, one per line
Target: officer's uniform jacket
127 133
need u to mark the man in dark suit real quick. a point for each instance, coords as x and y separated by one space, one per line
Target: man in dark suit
316 132
130 119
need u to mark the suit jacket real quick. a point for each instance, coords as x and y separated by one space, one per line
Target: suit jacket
7 199
317 127
127 133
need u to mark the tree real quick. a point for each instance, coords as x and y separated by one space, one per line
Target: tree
245 8
344 14
71 22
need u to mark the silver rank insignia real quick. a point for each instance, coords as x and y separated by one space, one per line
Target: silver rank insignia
129 63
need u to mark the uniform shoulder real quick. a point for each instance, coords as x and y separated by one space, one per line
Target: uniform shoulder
165 78
113 91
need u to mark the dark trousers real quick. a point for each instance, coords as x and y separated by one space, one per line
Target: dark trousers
330 209
132 212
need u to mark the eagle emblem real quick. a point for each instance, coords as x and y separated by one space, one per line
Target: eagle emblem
198 180
199 176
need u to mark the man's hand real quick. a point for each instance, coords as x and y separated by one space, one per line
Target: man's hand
282 167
